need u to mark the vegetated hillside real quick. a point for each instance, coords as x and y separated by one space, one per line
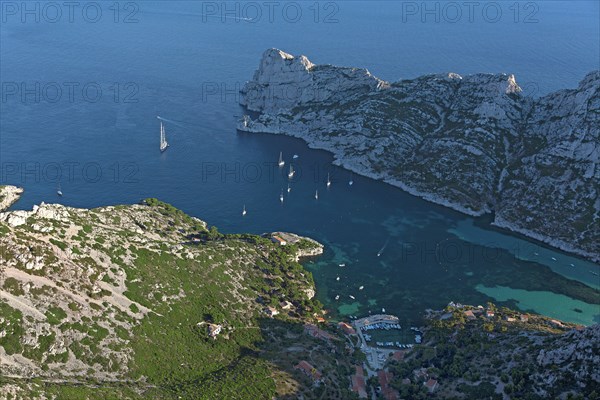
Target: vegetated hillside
118 302
473 143
498 353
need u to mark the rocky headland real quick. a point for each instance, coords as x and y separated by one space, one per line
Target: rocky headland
9 195
144 301
473 143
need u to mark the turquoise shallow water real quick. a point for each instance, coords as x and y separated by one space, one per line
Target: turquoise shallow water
564 264
174 64
547 303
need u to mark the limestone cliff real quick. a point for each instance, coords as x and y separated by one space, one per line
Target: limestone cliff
473 143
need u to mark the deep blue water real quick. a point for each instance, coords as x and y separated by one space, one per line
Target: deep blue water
182 61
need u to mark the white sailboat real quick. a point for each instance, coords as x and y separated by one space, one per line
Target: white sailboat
337 297
244 211
58 190
163 138
295 156
328 181
317 194
281 163
281 197
292 172
351 181
289 189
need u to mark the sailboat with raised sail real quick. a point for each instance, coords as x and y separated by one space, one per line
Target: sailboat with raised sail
292 172
244 211
281 163
59 190
317 194
328 180
163 137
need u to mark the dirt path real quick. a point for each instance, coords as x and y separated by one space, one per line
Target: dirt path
21 305
43 281
123 303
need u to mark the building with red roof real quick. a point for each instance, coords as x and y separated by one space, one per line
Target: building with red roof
347 328
398 355
384 381
470 316
309 370
431 385
318 333
359 385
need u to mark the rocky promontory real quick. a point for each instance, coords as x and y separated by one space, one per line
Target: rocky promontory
114 302
9 195
473 143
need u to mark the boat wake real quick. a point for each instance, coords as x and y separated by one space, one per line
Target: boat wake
232 17
180 124
380 252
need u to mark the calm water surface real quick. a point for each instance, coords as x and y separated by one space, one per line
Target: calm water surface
186 68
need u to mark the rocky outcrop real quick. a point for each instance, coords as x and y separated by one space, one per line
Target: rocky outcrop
575 354
55 212
473 143
283 82
9 195
305 246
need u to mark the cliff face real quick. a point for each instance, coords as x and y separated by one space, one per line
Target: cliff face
574 353
472 143
8 196
551 188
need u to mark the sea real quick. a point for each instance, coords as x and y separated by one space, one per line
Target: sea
83 84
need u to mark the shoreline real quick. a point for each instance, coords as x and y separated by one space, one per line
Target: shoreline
364 171
9 195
